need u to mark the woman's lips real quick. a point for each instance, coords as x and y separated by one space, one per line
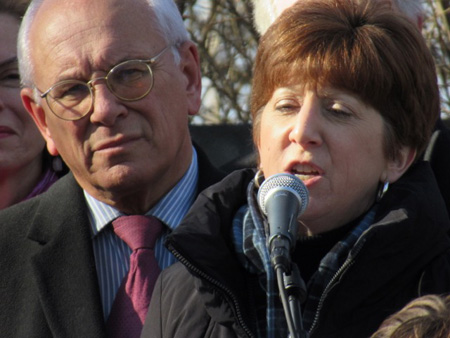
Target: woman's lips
306 171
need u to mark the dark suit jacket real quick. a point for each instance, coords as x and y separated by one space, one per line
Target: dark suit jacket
48 279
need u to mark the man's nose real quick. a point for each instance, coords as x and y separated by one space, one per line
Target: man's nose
106 107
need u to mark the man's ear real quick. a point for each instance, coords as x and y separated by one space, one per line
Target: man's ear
38 115
397 167
190 66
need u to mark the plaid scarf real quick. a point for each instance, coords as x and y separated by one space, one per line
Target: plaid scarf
251 246
331 266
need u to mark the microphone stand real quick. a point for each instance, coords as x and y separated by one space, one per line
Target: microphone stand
296 291
291 287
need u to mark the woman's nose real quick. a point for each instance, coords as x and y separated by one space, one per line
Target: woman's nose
306 125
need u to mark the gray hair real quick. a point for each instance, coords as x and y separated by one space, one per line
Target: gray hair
170 25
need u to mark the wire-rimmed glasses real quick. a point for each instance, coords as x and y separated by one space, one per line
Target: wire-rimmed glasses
130 80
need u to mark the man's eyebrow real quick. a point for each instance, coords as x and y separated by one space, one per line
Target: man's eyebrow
9 61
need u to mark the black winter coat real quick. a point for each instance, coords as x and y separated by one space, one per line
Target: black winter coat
403 255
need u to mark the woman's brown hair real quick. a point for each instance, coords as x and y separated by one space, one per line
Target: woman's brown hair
363 47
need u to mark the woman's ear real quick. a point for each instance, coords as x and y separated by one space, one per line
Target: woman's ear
398 166
38 115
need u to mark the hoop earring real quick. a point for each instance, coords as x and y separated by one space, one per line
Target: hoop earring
382 190
259 178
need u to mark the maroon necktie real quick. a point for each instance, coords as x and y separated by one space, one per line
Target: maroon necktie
133 297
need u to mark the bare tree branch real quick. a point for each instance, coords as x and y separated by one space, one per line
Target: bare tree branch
227 42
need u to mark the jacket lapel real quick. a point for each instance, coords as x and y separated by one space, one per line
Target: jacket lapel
64 267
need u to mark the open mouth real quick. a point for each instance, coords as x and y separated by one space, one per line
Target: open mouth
304 171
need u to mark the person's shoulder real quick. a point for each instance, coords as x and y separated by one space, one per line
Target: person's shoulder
19 211
436 277
61 195
418 182
237 179
231 191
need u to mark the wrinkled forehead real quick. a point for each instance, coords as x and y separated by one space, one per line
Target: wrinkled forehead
58 20
93 35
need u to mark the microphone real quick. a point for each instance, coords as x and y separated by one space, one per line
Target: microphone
282 198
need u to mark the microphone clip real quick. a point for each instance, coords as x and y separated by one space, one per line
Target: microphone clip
280 248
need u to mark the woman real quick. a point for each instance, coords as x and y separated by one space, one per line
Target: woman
438 150
25 167
338 100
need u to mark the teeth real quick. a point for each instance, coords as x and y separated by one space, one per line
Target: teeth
303 177
304 170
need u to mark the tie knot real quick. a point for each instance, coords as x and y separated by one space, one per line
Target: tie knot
138 231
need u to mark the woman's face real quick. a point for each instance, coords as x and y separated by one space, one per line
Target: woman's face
332 141
20 141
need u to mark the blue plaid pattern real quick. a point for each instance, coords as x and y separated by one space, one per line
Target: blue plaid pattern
251 246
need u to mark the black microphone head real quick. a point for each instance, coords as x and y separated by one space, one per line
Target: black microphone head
283 181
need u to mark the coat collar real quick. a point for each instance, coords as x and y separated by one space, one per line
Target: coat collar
64 266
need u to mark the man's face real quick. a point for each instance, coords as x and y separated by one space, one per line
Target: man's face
121 152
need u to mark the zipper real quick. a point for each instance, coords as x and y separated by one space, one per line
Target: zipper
211 280
347 264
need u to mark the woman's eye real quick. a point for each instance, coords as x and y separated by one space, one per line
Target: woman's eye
287 106
339 111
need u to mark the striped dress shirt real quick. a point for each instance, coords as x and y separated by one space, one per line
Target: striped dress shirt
112 255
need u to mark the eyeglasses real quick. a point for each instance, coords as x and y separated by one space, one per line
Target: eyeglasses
130 80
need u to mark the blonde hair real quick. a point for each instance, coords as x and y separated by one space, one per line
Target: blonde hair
424 317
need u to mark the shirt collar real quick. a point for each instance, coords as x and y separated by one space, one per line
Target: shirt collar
170 209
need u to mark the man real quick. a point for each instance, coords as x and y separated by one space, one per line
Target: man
110 85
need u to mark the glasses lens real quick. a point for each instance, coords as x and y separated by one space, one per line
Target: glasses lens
70 100
131 80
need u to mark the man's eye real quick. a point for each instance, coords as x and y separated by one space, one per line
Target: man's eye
130 75
70 92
